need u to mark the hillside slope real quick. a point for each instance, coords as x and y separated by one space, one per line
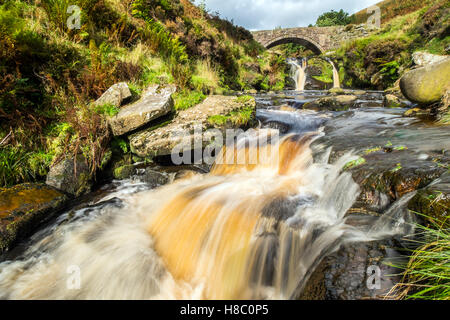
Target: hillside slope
391 9
379 60
50 74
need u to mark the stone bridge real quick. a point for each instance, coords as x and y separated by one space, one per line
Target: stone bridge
317 39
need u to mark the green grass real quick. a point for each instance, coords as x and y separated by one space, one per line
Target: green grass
18 165
427 274
186 99
107 109
236 118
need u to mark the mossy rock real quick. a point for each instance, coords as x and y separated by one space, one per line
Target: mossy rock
433 202
23 208
336 91
71 175
392 101
332 103
124 172
428 84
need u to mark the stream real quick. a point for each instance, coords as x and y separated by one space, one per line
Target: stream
240 231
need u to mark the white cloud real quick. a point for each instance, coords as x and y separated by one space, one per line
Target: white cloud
269 14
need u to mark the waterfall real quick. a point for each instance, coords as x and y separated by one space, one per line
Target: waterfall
243 231
298 73
336 81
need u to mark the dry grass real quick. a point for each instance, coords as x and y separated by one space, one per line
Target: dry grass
391 9
205 78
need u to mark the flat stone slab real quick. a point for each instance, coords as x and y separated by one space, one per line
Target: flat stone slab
155 102
161 141
115 95
24 207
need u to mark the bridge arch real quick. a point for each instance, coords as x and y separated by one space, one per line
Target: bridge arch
304 41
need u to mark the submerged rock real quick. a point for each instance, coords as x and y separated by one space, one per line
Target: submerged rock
24 207
115 95
155 102
71 176
220 112
428 84
333 103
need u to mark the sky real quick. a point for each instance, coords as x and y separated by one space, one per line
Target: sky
269 14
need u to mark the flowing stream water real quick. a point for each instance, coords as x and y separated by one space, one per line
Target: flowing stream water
241 231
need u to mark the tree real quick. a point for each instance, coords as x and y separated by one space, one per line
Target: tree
333 18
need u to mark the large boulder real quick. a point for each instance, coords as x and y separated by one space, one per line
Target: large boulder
115 95
428 84
71 175
422 58
24 207
214 112
155 102
333 103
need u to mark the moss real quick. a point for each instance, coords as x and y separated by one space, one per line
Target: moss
107 109
23 208
124 172
354 163
433 204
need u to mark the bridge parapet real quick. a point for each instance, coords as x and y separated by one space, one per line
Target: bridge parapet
318 39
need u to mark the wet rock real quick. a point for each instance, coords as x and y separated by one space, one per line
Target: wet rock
115 95
427 84
155 178
359 92
155 102
71 175
336 91
344 275
23 208
347 271
382 183
392 101
124 172
185 174
422 58
433 201
333 103
443 109
213 112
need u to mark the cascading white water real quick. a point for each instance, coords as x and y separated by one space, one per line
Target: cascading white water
336 81
298 73
242 231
